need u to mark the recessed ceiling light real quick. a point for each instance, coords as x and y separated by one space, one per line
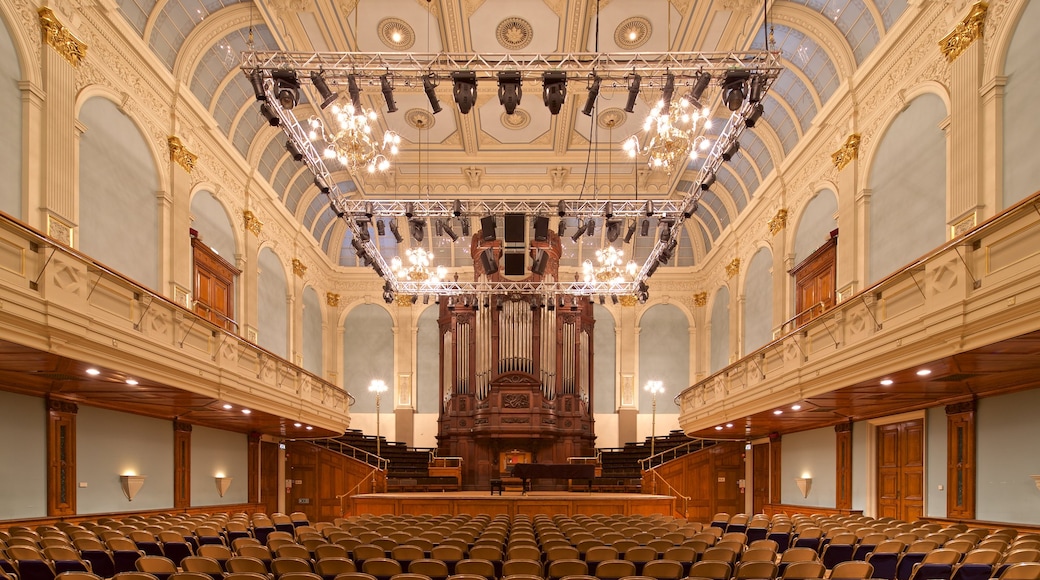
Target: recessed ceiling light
729 425
246 411
93 372
396 35
924 372
887 382
297 424
227 406
309 428
718 427
778 412
131 381
796 407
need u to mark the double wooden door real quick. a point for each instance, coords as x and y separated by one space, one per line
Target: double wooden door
901 470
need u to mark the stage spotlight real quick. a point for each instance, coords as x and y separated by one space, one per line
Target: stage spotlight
425 298
388 93
700 84
409 209
269 113
608 210
456 208
286 88
648 208
667 92
644 229
633 92
709 180
691 209
733 87
590 100
561 208
631 231
580 231
339 213
561 228
509 90
664 229
447 230
465 225
417 228
380 228
256 78
754 115
464 89
554 90
438 228
354 92
327 96
395 231
293 150
322 186
731 150
362 224
590 227
758 88
613 230
429 83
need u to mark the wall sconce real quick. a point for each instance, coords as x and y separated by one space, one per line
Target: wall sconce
131 484
804 485
223 483
1036 480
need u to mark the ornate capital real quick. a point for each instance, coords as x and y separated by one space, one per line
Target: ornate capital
848 152
332 299
966 32
298 268
252 223
843 427
404 299
180 154
958 408
627 300
59 406
59 37
779 221
700 299
733 268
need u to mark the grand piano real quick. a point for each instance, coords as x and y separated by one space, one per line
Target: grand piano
529 471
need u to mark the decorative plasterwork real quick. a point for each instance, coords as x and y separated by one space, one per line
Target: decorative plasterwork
627 300
514 33
779 221
963 225
518 120
60 39
180 154
612 117
848 152
966 32
396 33
632 33
298 267
60 230
404 300
733 268
700 299
419 118
252 223
332 299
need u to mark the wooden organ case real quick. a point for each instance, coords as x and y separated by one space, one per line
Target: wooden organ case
516 372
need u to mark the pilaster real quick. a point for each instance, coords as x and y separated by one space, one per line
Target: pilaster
58 177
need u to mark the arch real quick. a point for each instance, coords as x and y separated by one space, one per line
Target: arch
814 222
758 300
1021 172
11 114
719 334
23 43
116 170
212 220
907 180
272 291
664 354
368 353
313 347
821 30
604 378
1007 27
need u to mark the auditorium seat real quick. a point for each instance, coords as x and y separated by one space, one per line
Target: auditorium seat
663 569
936 565
1022 571
852 570
203 565
711 569
159 566
978 564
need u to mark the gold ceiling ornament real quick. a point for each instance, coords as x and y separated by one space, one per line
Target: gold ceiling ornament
627 300
253 224
632 33
298 267
733 268
404 300
396 33
848 152
332 299
514 33
700 299
779 221
966 32
60 39
180 154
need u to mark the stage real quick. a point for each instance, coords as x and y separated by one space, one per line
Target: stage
511 503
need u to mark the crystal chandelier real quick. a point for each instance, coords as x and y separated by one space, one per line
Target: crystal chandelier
350 139
417 268
609 267
674 134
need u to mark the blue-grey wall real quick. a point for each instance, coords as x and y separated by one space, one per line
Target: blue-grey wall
427 362
604 375
110 444
118 183
214 452
908 188
816 224
719 358
859 464
23 477
935 462
272 307
664 355
811 453
11 121
368 353
1007 433
211 220
313 333
1021 123
758 301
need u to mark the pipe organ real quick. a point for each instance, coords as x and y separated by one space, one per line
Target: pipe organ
516 375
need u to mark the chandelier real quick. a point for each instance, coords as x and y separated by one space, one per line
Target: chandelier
609 268
351 140
674 134
417 268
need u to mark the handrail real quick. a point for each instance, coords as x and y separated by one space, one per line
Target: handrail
46 241
819 304
197 304
649 463
686 499
357 488
380 463
1031 203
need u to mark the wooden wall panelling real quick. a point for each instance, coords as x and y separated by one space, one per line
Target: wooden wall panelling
61 457
960 460
181 464
843 466
271 485
319 475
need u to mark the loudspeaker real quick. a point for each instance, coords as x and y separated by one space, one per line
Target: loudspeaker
541 229
514 263
488 261
487 228
540 261
515 223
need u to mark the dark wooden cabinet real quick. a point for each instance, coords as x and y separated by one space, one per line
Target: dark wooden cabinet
815 281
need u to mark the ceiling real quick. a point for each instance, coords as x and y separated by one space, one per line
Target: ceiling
530 154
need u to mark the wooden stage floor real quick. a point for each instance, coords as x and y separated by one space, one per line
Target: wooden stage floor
511 503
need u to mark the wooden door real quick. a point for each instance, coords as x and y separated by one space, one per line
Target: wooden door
271 486
814 281
901 470
214 286
759 477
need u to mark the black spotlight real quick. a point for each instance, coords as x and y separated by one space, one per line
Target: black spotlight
590 101
447 230
561 208
429 83
581 230
269 113
293 150
731 150
667 92
691 209
327 96
631 231
395 231
554 90
754 115
456 208
590 227
613 230
733 87
509 90
380 228
322 186
286 88
417 228
464 89
487 228
709 180
700 84
758 88
388 93
256 78
354 91
644 228
633 92
465 225
561 228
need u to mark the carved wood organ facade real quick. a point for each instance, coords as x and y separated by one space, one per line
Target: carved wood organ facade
516 369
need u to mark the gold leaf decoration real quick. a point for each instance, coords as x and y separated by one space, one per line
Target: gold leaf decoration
332 299
627 300
298 268
60 39
733 268
180 154
700 299
966 32
404 299
252 223
848 152
779 221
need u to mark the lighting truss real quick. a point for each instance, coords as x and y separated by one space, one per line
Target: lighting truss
411 68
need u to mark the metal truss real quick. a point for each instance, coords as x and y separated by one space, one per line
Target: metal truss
476 208
544 290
